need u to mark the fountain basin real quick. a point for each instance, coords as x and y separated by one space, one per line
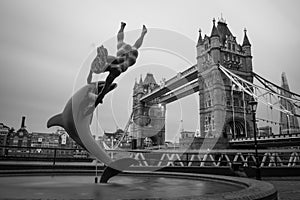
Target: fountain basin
153 185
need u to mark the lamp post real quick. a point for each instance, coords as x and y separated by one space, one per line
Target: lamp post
253 106
288 124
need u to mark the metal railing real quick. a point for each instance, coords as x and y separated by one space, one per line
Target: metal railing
49 154
161 158
216 158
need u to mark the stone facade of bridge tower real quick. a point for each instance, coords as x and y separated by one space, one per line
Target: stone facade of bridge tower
148 118
223 107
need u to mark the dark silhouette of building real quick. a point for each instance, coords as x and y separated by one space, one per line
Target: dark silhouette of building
26 144
4 131
186 139
21 138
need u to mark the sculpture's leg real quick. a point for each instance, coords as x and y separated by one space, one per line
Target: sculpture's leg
139 41
120 36
114 73
101 86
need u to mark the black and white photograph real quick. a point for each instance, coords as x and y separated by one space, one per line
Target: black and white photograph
140 100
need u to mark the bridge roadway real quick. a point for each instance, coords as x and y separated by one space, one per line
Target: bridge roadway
180 93
182 78
179 86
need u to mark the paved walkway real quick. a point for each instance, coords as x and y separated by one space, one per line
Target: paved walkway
288 187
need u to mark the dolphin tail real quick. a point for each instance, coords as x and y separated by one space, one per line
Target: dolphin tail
55 121
117 167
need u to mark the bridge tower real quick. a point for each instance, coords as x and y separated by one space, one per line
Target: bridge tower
221 104
148 118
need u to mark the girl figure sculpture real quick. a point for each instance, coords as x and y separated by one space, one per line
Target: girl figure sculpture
126 57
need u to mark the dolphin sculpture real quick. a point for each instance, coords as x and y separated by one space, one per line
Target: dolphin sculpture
76 118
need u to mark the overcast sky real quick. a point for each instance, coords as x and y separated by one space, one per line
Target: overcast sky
46 48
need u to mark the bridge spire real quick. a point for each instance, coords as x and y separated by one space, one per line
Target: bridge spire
200 40
214 31
246 40
222 20
135 84
141 80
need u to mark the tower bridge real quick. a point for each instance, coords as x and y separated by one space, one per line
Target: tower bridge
224 79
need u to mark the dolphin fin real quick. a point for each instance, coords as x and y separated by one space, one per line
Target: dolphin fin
117 167
56 120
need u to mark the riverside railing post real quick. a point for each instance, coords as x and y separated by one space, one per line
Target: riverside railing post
54 157
187 159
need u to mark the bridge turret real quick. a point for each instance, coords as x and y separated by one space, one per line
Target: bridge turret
215 43
246 47
200 40
139 90
135 85
246 44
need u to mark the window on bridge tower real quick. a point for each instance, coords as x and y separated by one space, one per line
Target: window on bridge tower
236 102
208 100
206 46
213 126
227 57
206 124
242 103
209 122
228 102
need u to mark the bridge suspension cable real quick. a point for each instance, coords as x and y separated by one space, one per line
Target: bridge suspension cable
268 83
232 106
244 109
253 90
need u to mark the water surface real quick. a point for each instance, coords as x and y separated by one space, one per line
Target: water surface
119 187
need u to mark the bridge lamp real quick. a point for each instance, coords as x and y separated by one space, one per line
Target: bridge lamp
161 106
288 124
253 107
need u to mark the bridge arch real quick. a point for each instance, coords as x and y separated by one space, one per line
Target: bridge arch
233 129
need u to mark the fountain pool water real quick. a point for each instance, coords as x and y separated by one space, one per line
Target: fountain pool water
137 186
